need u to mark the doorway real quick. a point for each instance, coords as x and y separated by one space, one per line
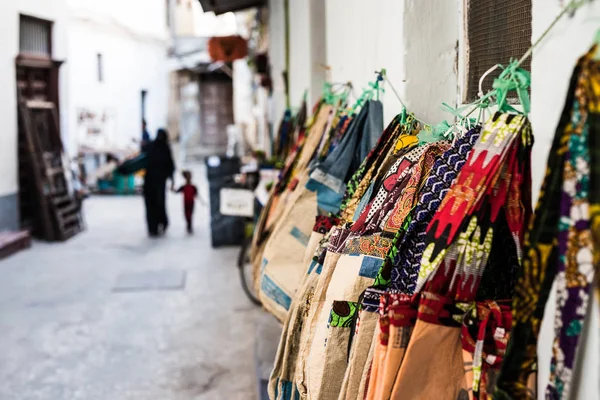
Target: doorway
37 79
216 108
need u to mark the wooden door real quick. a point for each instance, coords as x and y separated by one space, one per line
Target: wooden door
216 109
36 81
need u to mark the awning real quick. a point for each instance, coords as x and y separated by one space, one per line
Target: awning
224 6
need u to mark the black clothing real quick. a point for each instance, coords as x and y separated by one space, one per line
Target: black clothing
189 212
160 167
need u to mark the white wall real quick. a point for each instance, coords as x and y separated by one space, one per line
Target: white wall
356 40
318 48
144 18
430 65
277 59
242 93
552 66
53 10
183 16
134 52
300 51
395 35
361 40
308 52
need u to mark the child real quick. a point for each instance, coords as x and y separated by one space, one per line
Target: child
189 195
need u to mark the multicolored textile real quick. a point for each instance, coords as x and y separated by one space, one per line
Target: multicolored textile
575 272
370 245
484 334
461 238
324 223
399 140
343 314
396 179
407 258
328 178
391 222
481 171
461 222
369 166
503 265
559 245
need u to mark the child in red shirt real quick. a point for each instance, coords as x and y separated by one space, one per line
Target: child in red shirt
189 196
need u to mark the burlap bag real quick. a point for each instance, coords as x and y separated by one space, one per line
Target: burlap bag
342 322
359 353
355 271
282 267
271 214
366 374
279 202
281 384
317 301
433 365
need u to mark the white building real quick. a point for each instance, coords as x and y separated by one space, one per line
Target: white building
20 21
104 64
118 72
204 100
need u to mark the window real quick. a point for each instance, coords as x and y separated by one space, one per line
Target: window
496 32
100 68
35 36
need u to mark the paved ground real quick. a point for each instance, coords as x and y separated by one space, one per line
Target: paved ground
66 335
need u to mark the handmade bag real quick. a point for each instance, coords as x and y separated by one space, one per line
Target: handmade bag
329 178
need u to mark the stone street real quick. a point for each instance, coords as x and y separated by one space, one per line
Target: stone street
73 324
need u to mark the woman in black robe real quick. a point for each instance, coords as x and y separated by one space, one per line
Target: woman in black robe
160 167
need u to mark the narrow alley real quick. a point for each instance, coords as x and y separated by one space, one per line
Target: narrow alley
307 199
75 325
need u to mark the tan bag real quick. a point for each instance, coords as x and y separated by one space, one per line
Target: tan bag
433 365
282 267
318 297
298 162
355 271
366 374
359 354
281 380
341 324
281 264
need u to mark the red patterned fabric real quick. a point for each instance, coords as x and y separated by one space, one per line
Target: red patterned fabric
324 223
